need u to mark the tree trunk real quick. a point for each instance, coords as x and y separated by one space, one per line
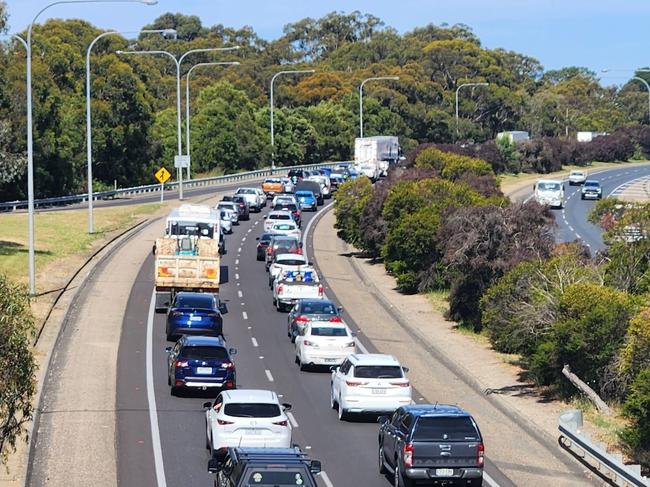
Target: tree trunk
588 391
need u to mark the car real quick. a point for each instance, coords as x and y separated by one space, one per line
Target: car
286 228
297 175
369 383
307 310
193 313
577 177
549 192
199 362
226 221
307 200
284 198
233 209
313 186
291 208
282 467
591 190
252 195
324 343
285 262
290 286
276 216
282 244
247 418
262 244
325 184
336 180
288 184
242 206
272 186
435 443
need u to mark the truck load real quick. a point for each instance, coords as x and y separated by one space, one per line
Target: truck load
187 258
290 286
374 155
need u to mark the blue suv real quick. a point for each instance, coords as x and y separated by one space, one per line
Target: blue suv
200 363
307 200
194 314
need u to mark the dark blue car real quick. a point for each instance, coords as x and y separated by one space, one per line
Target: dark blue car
307 200
200 363
194 314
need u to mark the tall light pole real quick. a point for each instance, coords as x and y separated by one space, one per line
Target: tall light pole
187 98
637 78
177 62
89 143
457 90
30 135
376 78
279 73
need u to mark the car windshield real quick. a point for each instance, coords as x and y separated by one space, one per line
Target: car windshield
266 237
194 302
285 242
329 331
445 429
205 353
273 181
319 308
283 226
279 216
252 410
577 173
549 186
304 194
246 191
592 183
278 478
378 371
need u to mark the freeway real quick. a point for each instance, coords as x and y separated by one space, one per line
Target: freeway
161 438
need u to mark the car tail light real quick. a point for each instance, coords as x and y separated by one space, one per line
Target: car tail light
307 343
222 422
350 344
481 454
336 319
320 290
407 455
227 365
355 383
229 384
401 384
182 364
280 423
175 314
269 250
302 319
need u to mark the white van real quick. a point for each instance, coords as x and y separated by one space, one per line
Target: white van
549 192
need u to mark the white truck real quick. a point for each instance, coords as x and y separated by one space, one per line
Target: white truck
187 258
291 286
374 155
549 192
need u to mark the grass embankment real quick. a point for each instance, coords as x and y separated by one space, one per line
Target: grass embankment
58 235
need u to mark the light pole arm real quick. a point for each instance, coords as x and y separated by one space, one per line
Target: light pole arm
638 78
209 49
21 40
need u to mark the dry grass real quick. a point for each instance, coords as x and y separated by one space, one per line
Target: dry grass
439 300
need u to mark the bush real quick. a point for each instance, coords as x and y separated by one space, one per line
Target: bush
635 354
637 408
350 200
452 166
610 148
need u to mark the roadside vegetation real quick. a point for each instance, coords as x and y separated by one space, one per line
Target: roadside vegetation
441 226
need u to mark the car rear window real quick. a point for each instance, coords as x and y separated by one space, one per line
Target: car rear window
246 191
328 331
290 262
305 194
319 308
252 410
273 181
205 352
445 429
289 243
283 226
279 216
277 478
378 371
194 302
266 237
286 207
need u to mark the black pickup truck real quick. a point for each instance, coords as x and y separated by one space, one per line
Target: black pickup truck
431 444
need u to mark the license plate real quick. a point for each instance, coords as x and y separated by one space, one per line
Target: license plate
252 432
329 360
379 391
444 472
204 370
195 318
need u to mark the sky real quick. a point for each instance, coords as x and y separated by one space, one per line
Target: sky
597 34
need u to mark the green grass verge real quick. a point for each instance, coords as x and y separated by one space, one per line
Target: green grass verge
59 234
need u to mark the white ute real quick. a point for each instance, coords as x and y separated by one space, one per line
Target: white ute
290 286
324 343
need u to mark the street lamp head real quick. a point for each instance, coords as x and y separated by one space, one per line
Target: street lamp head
606 70
170 33
149 2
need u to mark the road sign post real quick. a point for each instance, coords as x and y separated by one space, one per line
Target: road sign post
162 175
181 162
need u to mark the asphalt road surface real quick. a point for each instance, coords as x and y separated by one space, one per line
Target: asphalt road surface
175 453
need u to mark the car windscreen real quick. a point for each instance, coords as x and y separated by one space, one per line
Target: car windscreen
445 429
273 181
252 410
286 207
378 371
549 186
246 191
318 308
593 184
279 216
281 478
205 302
328 331
204 353
266 237
304 194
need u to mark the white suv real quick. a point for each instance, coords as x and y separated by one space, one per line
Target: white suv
247 417
577 177
255 198
324 343
369 383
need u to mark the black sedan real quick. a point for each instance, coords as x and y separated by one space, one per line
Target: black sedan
262 244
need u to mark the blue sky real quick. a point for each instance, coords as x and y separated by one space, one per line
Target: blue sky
593 33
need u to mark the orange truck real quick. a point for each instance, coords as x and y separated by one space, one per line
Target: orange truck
272 186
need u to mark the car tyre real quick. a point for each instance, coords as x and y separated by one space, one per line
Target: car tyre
343 414
476 482
333 403
399 479
382 465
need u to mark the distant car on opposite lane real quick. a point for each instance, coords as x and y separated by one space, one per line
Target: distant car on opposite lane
193 314
591 190
577 177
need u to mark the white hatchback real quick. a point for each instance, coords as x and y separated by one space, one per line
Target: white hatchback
369 383
277 217
249 418
324 343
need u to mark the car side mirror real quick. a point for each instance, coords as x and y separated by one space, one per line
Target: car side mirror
334 368
405 369
257 238
207 404
300 245
382 419
168 349
286 406
232 351
214 465
339 309
315 466
223 309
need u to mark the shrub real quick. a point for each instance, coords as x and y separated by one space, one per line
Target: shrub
452 166
635 354
637 408
350 200
610 148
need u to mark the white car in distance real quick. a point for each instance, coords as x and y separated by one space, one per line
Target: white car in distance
369 383
284 198
277 216
248 418
255 197
577 177
324 343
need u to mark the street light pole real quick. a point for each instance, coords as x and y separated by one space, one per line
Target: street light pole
30 134
636 78
187 100
179 129
457 90
377 78
301 71
89 153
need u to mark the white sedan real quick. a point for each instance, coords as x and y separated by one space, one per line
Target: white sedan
290 229
278 216
284 198
249 418
324 343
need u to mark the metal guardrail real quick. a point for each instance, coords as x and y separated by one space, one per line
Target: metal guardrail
153 188
608 464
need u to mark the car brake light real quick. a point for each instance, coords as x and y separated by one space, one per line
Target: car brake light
481 454
401 384
302 319
307 343
280 423
280 289
320 289
355 383
269 250
223 422
227 365
408 455
336 319
175 314
350 344
182 363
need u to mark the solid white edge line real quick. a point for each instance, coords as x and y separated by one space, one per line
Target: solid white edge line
326 479
292 419
489 480
151 398
268 375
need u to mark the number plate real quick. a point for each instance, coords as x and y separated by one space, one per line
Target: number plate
195 318
330 360
204 370
444 472
379 391
252 431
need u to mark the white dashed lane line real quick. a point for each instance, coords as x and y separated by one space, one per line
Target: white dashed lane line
254 340
268 375
240 294
244 315
326 480
237 277
243 240
239 250
236 261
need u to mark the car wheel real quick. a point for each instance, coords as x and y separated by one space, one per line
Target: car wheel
399 479
169 380
382 464
343 414
582 197
171 337
476 482
173 391
301 366
333 403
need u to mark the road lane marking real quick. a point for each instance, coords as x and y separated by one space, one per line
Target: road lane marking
489 480
292 419
239 250
255 344
237 277
244 314
240 294
249 230
236 261
151 399
243 240
268 375
326 479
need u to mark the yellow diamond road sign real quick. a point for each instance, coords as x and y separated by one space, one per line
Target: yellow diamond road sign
162 175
